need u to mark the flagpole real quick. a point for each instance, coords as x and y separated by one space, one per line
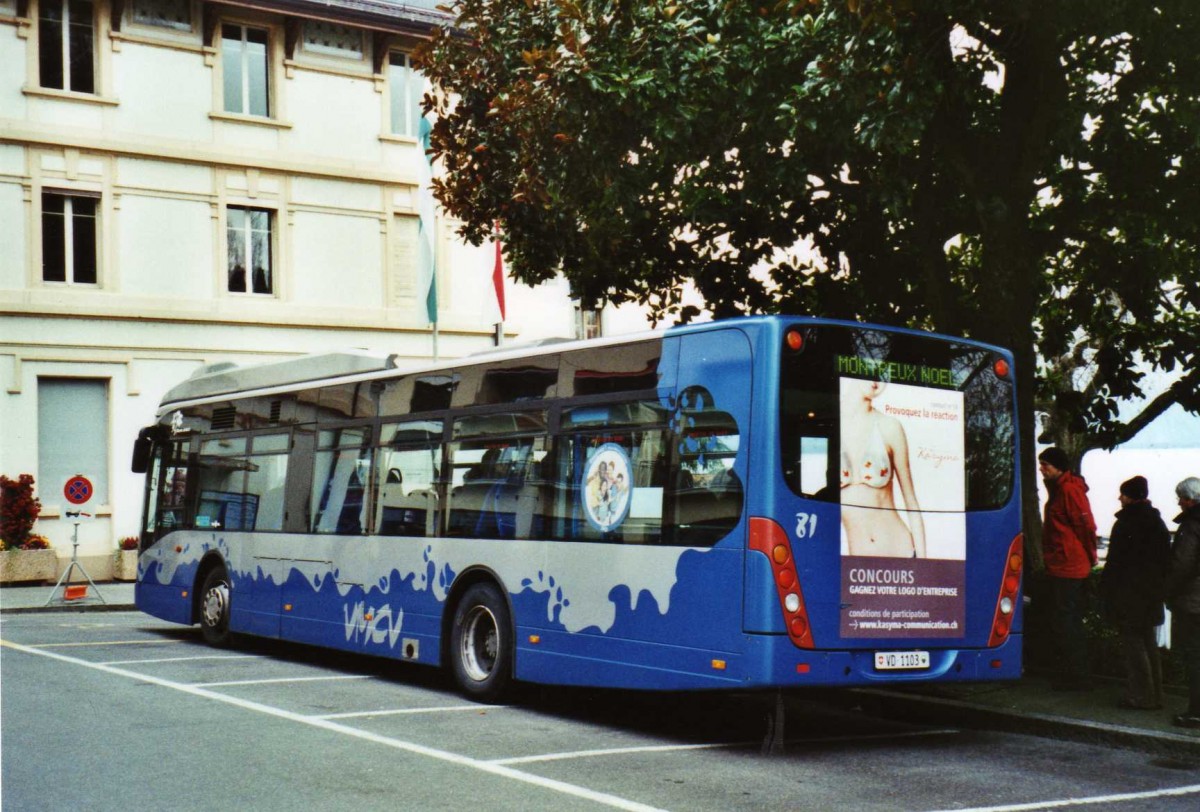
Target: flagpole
498 282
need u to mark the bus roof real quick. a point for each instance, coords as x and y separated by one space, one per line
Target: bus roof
218 381
228 378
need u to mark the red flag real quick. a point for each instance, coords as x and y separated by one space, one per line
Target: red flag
498 275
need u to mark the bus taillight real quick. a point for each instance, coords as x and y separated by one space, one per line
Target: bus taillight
1010 584
769 538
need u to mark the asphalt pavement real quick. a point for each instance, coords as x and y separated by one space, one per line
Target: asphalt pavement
1028 705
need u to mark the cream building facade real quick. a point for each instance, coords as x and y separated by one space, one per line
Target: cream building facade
186 182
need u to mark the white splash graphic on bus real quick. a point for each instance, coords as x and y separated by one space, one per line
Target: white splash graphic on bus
570 574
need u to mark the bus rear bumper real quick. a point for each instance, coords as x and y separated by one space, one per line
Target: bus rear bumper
784 665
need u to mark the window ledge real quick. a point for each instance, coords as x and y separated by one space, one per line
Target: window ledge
398 139
69 95
260 121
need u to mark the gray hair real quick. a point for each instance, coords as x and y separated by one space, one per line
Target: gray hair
1189 489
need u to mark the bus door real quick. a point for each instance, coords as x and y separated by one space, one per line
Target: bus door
319 565
240 512
711 474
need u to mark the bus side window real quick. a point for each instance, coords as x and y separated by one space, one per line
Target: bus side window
706 491
341 475
496 489
266 477
220 472
611 481
408 470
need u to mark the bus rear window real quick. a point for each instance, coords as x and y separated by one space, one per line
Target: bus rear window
942 400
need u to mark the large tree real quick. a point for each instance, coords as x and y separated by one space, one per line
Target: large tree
1022 172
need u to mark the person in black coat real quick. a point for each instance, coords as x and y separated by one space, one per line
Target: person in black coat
1132 589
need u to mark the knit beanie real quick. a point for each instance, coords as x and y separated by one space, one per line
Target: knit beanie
1135 488
1057 457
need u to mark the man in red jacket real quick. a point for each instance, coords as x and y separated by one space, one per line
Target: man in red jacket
1069 550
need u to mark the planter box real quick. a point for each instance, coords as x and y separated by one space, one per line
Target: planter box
28 565
125 565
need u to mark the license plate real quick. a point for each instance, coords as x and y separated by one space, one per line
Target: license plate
901 660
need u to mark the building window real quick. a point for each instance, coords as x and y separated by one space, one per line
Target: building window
248 232
332 39
72 435
587 322
176 14
66 47
69 238
244 65
406 86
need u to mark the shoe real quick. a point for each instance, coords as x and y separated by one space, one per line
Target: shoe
1187 720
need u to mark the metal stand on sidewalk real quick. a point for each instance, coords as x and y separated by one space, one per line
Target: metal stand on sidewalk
773 742
66 576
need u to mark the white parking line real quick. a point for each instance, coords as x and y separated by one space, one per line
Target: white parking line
1194 789
500 770
109 643
617 751
405 711
184 659
279 680
668 748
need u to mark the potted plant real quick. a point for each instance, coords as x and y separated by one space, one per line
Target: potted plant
125 560
26 555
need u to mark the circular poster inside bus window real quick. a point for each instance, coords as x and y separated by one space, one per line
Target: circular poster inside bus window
607 483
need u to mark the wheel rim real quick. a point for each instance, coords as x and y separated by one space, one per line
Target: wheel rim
216 605
480 643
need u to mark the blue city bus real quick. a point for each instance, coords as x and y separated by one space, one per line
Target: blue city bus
759 502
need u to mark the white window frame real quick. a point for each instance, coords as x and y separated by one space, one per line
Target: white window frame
244 69
65 49
248 232
69 197
582 326
404 93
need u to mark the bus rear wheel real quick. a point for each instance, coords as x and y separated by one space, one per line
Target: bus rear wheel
481 643
214 608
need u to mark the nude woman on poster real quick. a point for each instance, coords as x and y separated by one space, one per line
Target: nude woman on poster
874 461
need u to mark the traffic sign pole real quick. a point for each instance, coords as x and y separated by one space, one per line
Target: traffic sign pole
77 491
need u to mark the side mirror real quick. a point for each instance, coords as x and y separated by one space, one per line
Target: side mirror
143 448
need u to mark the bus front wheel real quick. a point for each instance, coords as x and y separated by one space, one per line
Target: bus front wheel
214 608
481 643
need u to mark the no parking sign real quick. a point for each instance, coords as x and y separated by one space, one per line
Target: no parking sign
78 489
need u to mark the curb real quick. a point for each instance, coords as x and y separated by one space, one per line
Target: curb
916 708
68 607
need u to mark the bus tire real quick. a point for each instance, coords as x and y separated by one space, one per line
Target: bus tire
214 608
481 643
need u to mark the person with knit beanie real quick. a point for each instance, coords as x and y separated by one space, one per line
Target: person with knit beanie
1069 552
1132 590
